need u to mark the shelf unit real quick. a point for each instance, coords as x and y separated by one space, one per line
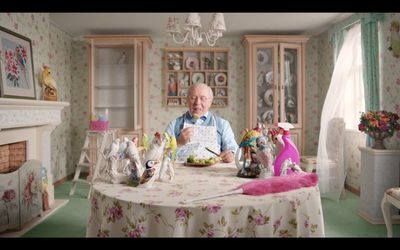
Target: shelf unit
275 81
118 80
186 66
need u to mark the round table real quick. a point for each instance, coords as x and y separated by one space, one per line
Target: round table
118 210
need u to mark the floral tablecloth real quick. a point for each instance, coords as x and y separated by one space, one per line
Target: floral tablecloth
118 210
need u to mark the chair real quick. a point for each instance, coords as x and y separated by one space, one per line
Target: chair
390 197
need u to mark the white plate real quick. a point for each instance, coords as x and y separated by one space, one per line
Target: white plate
192 63
262 57
268 97
220 79
268 77
198 78
268 116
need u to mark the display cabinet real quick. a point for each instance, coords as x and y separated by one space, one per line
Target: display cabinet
186 66
275 81
118 80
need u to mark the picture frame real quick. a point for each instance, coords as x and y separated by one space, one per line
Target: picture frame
16 66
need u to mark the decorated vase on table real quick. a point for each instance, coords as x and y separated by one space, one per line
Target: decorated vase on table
379 125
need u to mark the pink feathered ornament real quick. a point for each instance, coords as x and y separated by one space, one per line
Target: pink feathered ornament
271 185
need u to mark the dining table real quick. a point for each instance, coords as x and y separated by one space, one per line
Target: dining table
162 210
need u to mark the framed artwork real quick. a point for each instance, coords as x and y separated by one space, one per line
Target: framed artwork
16 66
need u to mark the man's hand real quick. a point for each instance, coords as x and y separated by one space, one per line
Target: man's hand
227 156
185 136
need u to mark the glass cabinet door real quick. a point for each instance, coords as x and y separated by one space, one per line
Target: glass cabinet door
265 62
290 84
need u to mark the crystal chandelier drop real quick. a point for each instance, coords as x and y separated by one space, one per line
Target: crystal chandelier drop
192 30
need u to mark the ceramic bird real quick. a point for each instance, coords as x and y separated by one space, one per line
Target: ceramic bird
46 78
395 38
265 156
276 137
133 154
156 148
122 147
249 139
149 172
114 149
49 84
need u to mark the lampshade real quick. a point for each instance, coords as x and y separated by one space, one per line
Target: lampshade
192 29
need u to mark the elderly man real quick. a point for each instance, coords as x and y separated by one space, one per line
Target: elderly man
199 99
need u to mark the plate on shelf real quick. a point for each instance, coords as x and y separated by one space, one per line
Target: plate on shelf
268 116
268 97
220 79
198 78
268 77
192 63
262 57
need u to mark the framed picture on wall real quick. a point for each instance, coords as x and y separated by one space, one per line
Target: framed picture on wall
16 66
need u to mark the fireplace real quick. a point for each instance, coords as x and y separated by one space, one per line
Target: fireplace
29 122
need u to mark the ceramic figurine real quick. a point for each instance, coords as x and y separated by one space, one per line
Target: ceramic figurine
264 154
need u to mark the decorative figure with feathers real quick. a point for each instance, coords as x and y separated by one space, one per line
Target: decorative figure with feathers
48 84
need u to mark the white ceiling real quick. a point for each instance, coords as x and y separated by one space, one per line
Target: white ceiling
154 24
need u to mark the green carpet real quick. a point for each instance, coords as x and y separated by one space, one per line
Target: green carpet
341 218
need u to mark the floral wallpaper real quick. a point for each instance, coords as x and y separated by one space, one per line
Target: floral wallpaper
69 63
60 61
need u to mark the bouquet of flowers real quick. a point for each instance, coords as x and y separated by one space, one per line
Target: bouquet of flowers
379 121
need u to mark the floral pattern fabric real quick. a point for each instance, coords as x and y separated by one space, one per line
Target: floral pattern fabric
118 210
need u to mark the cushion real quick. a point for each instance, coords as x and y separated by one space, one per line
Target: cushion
394 192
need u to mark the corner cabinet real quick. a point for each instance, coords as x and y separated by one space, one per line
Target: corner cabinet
275 66
118 80
186 66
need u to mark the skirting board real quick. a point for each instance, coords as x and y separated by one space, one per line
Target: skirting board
58 203
395 219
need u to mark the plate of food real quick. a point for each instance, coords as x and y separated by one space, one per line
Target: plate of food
262 57
192 63
198 78
192 161
220 79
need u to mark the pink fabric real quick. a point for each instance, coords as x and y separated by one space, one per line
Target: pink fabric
279 184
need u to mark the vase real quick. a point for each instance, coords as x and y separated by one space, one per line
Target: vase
378 139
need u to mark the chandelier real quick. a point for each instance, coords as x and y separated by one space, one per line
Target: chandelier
193 34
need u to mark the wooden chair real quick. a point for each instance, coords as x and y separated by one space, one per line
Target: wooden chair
390 197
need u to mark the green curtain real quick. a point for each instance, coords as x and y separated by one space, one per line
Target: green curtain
370 54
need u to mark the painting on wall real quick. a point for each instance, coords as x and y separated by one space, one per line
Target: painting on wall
16 66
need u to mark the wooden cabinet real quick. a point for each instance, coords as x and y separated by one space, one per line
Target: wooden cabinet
275 82
186 66
118 80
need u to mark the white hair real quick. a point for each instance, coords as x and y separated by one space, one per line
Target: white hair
201 85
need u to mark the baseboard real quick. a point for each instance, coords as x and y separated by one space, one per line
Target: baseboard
58 203
351 189
67 178
395 219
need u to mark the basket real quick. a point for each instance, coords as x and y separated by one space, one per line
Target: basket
99 125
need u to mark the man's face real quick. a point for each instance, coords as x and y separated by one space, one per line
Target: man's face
199 101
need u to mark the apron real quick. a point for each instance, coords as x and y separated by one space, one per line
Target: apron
204 136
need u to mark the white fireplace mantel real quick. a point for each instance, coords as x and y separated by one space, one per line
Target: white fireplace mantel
33 121
16 113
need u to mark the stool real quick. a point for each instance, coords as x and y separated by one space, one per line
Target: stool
391 196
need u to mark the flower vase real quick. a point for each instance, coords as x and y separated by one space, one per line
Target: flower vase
378 139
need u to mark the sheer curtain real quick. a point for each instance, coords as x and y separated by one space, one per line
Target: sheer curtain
344 99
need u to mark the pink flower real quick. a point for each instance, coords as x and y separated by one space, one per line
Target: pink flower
8 195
